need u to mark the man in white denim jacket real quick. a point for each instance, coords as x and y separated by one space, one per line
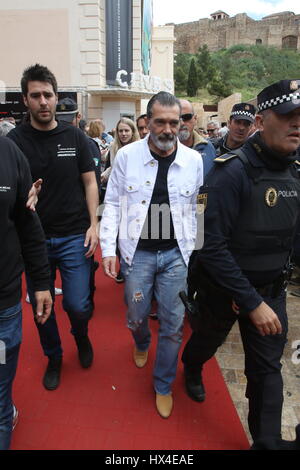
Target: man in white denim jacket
150 206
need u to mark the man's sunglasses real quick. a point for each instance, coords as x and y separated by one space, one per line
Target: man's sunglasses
186 117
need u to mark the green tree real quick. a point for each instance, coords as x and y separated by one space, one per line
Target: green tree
192 82
180 77
205 66
181 68
241 68
219 88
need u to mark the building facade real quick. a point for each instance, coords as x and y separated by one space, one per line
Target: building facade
105 50
221 31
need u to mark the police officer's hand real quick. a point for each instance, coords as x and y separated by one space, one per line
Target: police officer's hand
235 307
265 320
109 266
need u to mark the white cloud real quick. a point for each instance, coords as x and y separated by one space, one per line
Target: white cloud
181 11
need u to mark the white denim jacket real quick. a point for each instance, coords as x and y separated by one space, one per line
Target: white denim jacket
129 193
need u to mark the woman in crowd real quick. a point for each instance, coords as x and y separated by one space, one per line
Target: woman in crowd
126 132
95 131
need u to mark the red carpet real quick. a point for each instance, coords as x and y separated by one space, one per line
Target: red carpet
112 405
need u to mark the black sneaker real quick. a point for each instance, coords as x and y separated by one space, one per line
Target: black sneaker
51 378
119 279
194 385
276 443
85 351
292 445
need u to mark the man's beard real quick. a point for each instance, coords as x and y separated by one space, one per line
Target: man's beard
184 134
42 120
164 142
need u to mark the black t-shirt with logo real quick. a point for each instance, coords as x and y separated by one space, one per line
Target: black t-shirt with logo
59 157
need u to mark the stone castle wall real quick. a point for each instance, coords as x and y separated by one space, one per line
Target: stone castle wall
281 30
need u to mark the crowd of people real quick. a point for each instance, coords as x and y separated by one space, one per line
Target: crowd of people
195 221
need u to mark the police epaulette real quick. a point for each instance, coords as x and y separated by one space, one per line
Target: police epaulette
225 158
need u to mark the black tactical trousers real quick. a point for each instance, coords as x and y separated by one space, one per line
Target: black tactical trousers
262 361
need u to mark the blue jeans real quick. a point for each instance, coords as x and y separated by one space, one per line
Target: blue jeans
162 273
66 254
10 340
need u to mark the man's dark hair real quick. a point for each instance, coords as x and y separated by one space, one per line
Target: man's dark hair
38 73
165 99
82 124
142 116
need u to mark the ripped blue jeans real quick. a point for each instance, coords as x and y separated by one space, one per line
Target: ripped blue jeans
162 273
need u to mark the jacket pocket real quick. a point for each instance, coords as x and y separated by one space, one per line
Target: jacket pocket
131 186
187 191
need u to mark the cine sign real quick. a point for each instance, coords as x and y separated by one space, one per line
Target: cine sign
144 82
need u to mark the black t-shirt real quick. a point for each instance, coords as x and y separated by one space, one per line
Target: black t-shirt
59 157
21 236
95 152
158 231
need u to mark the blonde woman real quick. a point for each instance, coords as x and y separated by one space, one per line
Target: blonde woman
126 132
95 132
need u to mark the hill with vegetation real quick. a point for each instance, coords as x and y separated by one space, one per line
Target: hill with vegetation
209 77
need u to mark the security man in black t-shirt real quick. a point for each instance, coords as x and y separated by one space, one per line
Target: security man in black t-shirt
251 200
59 154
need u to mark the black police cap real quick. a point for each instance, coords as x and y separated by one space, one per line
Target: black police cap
66 109
282 97
243 111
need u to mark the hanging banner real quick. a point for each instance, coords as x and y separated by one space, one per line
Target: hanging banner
147 25
118 38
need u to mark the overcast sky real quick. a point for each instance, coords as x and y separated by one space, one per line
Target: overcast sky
181 11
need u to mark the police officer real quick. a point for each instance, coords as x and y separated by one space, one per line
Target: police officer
240 125
251 201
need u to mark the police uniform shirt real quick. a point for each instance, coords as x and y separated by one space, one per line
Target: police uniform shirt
227 189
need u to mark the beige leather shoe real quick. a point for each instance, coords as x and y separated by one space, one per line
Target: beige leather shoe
140 357
164 405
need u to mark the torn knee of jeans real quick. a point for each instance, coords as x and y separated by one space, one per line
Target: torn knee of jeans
134 324
138 296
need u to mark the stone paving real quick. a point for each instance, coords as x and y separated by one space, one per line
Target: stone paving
230 357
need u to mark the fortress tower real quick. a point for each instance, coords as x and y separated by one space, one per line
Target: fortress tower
221 31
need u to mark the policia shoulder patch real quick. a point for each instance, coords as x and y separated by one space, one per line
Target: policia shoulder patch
225 158
201 203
